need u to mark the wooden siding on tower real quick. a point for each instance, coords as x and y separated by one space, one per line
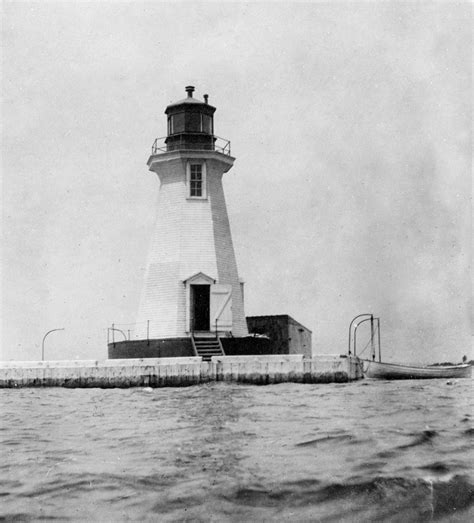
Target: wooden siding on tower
191 236
226 262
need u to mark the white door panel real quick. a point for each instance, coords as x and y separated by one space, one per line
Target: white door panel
221 306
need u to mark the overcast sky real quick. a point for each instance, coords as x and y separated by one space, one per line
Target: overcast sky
351 191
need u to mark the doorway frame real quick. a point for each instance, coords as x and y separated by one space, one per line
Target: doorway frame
200 296
197 279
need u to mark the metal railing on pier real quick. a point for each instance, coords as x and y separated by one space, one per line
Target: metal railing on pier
128 332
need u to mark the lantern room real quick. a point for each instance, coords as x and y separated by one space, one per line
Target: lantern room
190 124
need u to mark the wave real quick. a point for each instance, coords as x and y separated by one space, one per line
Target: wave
24 517
375 498
238 453
326 439
382 497
438 467
424 437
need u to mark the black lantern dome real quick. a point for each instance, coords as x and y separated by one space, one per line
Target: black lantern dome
190 124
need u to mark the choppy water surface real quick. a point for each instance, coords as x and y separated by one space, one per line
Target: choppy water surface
365 451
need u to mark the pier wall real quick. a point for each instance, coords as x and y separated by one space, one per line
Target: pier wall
182 347
159 348
179 372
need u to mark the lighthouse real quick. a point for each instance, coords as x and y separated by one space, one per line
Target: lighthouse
192 300
191 287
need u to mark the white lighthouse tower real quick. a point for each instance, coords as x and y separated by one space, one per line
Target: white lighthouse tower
191 288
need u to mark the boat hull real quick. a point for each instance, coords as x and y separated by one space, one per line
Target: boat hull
392 371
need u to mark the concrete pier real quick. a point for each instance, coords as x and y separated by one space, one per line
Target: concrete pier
180 372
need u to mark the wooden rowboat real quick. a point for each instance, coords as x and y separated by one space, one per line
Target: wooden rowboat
392 371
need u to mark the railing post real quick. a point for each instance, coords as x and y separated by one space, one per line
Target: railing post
113 329
378 333
218 144
44 337
355 331
350 328
372 346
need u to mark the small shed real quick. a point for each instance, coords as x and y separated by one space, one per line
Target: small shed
287 335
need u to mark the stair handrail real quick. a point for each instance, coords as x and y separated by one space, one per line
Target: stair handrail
221 346
194 345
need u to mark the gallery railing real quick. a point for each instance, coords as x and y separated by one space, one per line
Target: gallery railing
221 145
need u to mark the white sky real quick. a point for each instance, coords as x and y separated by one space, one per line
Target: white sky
351 192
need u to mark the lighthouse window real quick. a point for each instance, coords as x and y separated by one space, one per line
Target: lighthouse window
194 122
196 180
177 123
206 124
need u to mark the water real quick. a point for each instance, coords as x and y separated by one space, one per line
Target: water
364 451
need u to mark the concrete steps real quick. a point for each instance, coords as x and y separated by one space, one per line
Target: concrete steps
206 348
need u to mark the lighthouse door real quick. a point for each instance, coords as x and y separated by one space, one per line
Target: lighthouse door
200 301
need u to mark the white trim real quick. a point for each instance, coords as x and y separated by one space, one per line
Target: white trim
197 279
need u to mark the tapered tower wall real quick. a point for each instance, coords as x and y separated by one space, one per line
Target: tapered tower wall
191 236
225 260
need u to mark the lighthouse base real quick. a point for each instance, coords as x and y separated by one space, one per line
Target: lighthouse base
183 348
156 348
